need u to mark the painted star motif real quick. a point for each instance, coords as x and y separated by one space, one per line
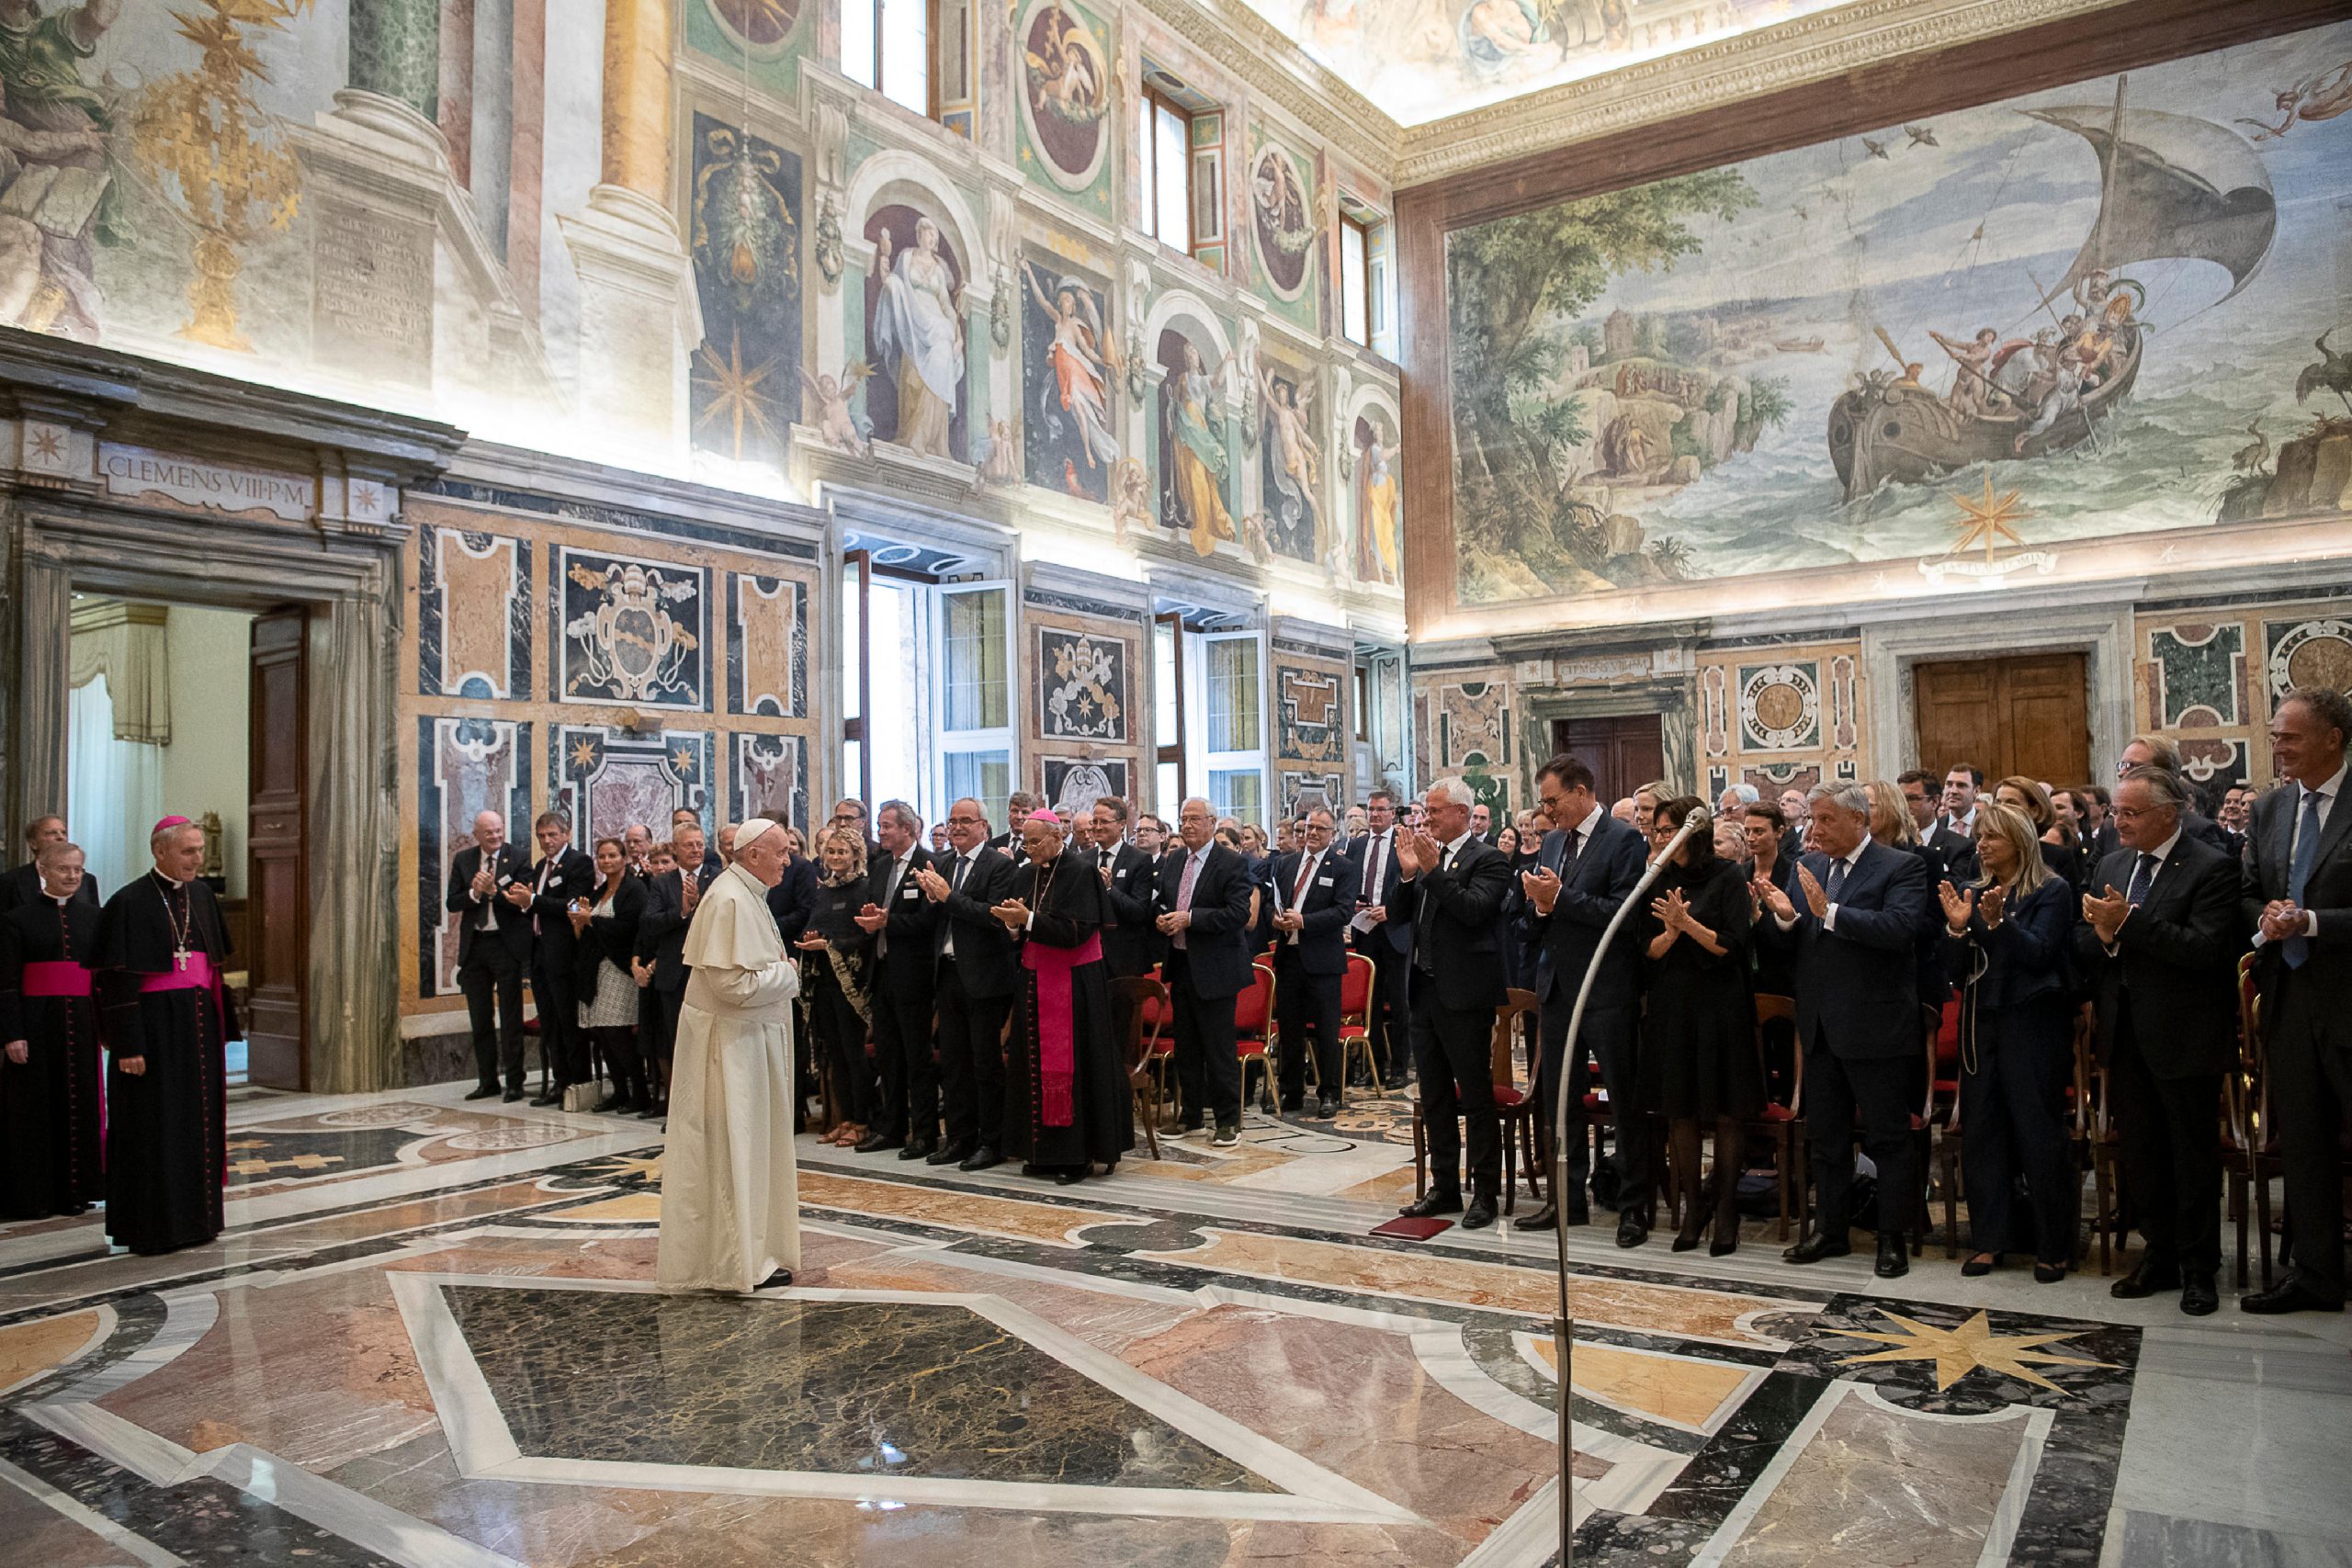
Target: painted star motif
735 396
1987 521
365 499
48 443
682 759
1971 1347
584 753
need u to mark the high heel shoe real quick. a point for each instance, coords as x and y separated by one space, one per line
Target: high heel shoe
1688 1236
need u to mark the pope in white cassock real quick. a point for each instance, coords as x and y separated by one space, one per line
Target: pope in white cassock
729 1201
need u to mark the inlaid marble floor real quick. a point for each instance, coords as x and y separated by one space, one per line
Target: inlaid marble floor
430 1337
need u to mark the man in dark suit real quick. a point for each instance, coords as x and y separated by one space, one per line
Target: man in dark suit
1314 895
1131 943
662 942
1383 931
686 816
1204 915
1457 886
2160 751
22 885
974 973
1017 807
901 919
2098 838
1955 853
1582 875
494 952
1852 938
2160 952
2297 893
562 874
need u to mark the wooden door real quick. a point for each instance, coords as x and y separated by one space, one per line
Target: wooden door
275 956
2029 714
1624 752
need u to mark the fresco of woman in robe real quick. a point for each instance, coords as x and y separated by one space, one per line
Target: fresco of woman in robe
1069 366
1375 505
1193 456
917 335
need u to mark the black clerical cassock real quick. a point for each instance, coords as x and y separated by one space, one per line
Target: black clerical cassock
51 1157
160 957
1067 1096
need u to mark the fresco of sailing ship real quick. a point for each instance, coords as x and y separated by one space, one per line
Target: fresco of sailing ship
2118 303
2172 186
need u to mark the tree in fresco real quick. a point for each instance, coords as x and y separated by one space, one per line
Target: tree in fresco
1514 287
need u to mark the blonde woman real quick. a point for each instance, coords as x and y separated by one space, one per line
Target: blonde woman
2005 942
833 958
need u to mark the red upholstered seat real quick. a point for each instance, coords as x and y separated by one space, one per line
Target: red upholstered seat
1505 1095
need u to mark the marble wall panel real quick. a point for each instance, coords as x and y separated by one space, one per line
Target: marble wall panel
474 615
465 766
2210 676
630 632
767 652
1085 719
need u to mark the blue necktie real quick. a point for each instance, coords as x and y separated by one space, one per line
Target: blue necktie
2298 873
2142 874
1836 879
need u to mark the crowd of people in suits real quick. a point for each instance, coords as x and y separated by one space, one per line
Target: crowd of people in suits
957 1005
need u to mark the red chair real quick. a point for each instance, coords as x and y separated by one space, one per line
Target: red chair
1783 1123
1144 1002
1514 1107
1356 991
1254 1017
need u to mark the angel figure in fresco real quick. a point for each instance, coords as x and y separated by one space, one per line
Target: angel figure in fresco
1084 362
1193 438
1498 33
840 425
1065 78
1298 466
1376 506
919 333
2323 97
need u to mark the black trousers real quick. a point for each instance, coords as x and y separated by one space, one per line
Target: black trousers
1610 1038
2310 1077
665 1034
909 1107
2171 1133
2013 1124
1208 1075
1307 1004
563 1045
971 1059
1451 1048
490 968
840 1034
1389 1024
1880 1088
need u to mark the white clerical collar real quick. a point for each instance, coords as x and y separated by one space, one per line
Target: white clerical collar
167 881
60 899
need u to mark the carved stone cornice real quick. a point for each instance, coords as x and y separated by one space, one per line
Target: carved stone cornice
1277 69
1810 49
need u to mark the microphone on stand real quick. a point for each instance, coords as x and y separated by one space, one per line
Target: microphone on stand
1563 1326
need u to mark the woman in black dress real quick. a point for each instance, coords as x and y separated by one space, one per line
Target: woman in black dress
604 927
1066 1103
1698 1030
833 954
2005 941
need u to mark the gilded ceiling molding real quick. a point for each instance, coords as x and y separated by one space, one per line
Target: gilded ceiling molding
1749 65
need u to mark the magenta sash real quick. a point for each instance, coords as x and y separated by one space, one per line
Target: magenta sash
56 977
1056 1026
196 977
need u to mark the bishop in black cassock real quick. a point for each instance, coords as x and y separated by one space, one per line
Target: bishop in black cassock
160 957
1066 1101
50 1115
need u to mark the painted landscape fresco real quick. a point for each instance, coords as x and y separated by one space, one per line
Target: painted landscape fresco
2108 309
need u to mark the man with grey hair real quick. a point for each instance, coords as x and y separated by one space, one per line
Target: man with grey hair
2154 750
563 877
1456 885
1852 934
2160 950
2299 891
158 961
902 922
50 1098
1205 914
1733 806
23 885
494 952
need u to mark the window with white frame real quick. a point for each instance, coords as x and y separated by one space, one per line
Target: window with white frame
926 690
1233 722
1364 308
917 53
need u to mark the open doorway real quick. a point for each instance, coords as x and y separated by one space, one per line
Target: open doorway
197 710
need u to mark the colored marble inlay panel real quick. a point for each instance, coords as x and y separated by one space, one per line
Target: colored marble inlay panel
992 1216
29 1349
1616 1303
857 1388
1685 1392
2197 674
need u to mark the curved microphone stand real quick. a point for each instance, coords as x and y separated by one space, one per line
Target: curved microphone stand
1563 1326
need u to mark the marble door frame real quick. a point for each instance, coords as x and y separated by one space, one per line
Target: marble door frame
352 585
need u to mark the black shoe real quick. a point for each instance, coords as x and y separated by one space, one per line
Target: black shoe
655 1111
875 1142
2049 1273
552 1096
776 1281
949 1154
985 1157
2149 1277
1723 1245
1480 1213
1033 1169
612 1102
1631 1232
511 1095
2290 1295
1069 1178
1327 1110
1894 1262
1436 1200
919 1148
1542 1219
1816 1247
483 1091
1291 1104
2197 1296
1982 1264
1686 1240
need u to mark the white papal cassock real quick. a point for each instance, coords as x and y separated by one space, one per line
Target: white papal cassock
729 1201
